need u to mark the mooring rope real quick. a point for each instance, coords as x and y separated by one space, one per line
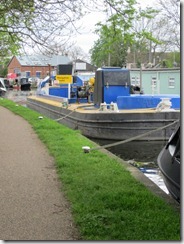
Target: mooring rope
87 149
65 115
68 114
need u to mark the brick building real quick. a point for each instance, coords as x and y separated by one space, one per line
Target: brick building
40 65
36 65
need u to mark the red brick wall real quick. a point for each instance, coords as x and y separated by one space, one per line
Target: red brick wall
15 65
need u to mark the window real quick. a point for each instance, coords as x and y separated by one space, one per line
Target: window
16 70
38 74
135 80
28 73
153 82
171 82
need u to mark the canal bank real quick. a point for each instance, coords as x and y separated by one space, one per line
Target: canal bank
132 152
107 202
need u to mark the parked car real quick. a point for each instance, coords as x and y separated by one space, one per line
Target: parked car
25 85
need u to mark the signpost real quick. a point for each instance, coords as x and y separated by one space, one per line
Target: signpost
64 79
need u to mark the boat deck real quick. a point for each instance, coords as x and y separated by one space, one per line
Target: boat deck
87 107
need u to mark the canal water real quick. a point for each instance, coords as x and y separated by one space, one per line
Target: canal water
141 151
141 154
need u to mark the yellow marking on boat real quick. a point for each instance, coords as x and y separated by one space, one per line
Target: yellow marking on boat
47 101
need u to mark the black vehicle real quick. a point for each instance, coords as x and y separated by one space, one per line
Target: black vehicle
169 164
25 85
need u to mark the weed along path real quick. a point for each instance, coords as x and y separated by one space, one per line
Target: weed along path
31 202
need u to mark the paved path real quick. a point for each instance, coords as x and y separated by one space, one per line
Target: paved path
32 205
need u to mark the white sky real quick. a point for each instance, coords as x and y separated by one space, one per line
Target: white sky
86 39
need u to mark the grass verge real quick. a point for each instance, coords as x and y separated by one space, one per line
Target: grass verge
107 202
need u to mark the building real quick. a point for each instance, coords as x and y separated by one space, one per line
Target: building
40 65
157 80
152 80
36 65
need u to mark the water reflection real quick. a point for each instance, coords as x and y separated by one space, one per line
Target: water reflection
141 151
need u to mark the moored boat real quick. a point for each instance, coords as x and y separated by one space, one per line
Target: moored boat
169 164
110 111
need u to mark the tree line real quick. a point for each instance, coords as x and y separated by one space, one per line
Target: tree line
46 26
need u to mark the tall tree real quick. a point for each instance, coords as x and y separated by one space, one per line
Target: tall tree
120 33
9 44
165 27
170 13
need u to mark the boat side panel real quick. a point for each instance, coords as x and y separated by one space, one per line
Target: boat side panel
113 126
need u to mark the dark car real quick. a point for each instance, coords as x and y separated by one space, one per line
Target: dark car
25 85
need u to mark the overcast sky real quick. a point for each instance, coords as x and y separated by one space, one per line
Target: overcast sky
86 39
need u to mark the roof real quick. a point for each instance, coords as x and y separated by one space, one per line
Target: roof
42 60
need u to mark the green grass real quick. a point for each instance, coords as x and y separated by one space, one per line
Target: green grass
107 202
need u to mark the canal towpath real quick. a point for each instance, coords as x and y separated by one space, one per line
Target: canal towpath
33 206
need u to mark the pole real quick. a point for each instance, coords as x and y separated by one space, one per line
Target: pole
141 78
49 75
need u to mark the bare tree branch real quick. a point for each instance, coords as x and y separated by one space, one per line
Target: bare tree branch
40 22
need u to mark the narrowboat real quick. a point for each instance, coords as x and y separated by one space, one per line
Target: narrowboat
105 108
